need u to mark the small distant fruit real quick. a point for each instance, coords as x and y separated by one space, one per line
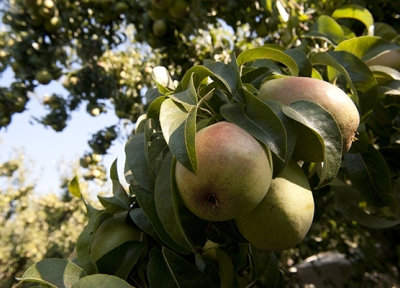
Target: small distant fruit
43 76
159 28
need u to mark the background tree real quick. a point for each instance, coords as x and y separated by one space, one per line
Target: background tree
33 225
105 54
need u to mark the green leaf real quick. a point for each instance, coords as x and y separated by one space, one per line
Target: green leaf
167 269
370 175
85 239
384 76
113 201
304 64
322 123
137 162
178 124
121 260
357 74
147 203
101 281
224 73
255 75
266 267
391 87
226 269
380 120
156 146
120 193
58 273
201 73
290 127
114 171
258 119
163 80
167 206
357 12
74 188
326 28
140 219
385 31
153 111
366 47
268 53
346 201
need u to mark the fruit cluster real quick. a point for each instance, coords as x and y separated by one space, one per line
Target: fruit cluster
44 13
235 180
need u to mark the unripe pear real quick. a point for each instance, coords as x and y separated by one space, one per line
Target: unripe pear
284 216
52 25
156 14
159 28
234 173
112 233
178 9
48 9
43 76
332 98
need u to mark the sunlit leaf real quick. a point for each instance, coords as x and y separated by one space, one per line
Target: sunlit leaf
326 28
358 12
366 47
162 79
178 124
74 188
268 53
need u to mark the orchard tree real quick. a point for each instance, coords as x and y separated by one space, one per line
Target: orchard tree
265 132
33 225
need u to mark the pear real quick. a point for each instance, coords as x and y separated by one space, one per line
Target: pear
112 233
43 76
284 216
159 28
178 9
290 89
234 173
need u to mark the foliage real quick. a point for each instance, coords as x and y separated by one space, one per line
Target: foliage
199 81
33 226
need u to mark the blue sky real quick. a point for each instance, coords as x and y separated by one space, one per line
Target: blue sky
47 148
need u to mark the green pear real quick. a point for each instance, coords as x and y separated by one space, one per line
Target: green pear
43 76
290 89
156 14
52 25
284 216
159 28
112 233
234 173
178 9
